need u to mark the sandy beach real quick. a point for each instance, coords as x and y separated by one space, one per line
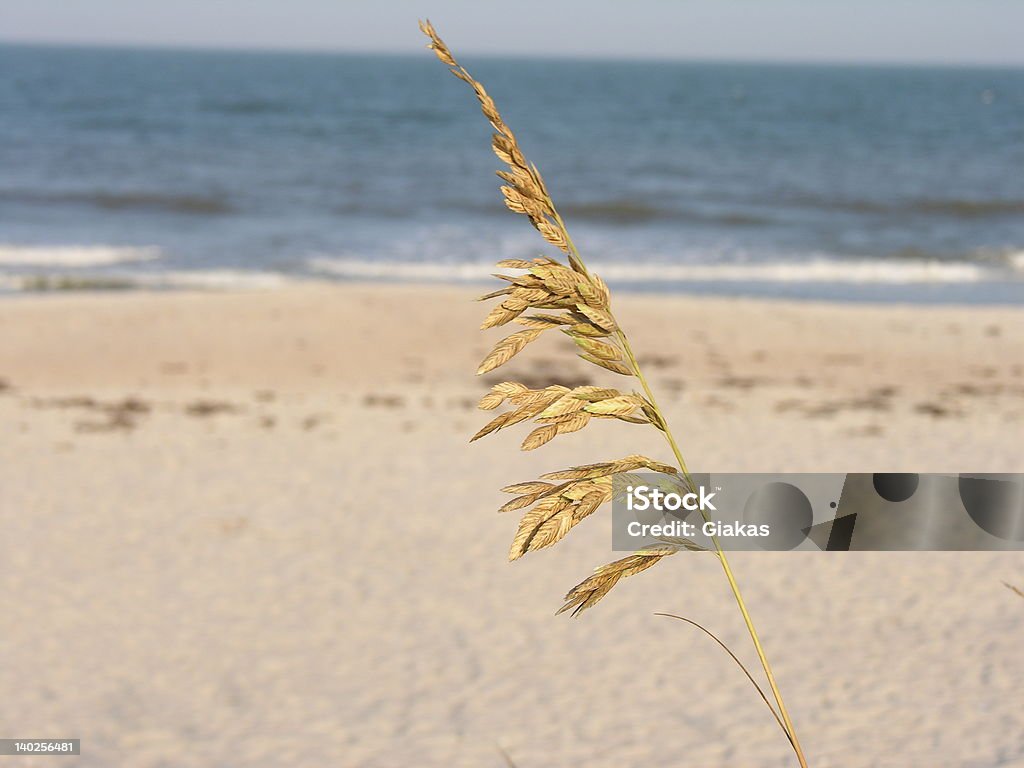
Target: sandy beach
247 529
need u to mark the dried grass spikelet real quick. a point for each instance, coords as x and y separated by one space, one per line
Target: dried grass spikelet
542 294
558 507
581 304
524 189
558 410
589 592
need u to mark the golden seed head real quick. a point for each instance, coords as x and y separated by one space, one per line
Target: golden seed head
578 303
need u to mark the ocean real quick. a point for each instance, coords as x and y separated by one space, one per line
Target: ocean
159 168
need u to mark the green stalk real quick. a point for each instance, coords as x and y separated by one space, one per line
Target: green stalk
620 334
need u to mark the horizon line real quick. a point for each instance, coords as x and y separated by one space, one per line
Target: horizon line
228 48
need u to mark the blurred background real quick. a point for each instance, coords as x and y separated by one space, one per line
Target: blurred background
835 152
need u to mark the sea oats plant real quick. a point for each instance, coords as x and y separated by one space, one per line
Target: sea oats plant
548 294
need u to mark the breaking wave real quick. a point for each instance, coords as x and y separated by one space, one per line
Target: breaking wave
861 271
74 255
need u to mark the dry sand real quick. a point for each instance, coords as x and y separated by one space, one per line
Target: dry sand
248 530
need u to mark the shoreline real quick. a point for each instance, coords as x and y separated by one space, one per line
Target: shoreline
988 293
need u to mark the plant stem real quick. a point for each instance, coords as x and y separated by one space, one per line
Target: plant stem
721 555
791 732
739 663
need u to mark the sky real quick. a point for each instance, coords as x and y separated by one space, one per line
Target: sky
875 31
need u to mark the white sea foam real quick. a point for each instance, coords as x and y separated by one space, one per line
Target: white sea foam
874 271
71 256
10 282
214 279
374 270
201 280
